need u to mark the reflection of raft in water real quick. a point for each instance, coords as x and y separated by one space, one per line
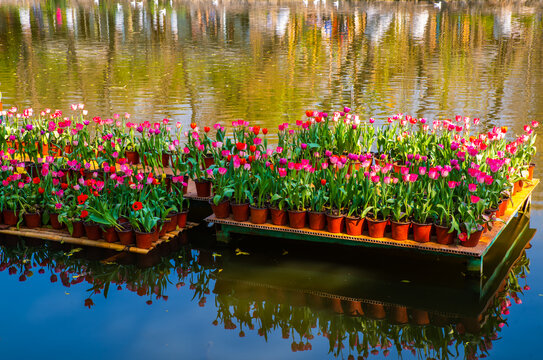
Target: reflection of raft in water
502 234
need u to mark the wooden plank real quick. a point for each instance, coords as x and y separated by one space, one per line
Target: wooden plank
487 239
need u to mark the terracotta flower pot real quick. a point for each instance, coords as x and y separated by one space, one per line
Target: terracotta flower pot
531 171
335 223
376 228
78 229
109 234
222 210
172 224
203 188
165 160
132 157
145 240
11 217
397 315
32 220
375 311
473 239
421 232
240 211
126 236
420 317
55 223
503 207
352 308
182 219
208 161
296 219
354 225
399 230
162 227
317 220
443 236
93 231
258 215
278 217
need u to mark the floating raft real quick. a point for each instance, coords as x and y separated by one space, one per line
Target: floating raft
474 255
63 236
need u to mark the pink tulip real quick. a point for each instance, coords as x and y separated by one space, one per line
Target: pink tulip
474 199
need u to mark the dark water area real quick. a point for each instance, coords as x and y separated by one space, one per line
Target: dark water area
267 62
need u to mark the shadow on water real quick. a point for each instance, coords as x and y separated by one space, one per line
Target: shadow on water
365 302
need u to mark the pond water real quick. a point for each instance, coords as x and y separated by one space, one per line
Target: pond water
267 62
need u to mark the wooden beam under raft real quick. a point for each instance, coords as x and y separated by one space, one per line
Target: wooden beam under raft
63 236
520 203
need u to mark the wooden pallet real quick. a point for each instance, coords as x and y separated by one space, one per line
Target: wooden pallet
63 236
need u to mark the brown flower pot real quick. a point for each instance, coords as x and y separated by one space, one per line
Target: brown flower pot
420 317
279 217
11 217
296 219
163 228
335 223
182 219
352 308
399 230
55 223
317 220
132 157
1 217
240 211
376 228
516 187
531 171
421 232
78 229
397 315
503 207
375 311
258 215
172 224
145 240
208 161
443 236
473 239
126 236
32 220
93 231
165 160
222 210
203 188
354 225
109 234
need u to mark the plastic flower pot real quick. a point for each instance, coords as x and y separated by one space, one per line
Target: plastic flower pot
78 229
222 210
163 227
132 157
335 223
278 217
144 240
296 219
203 188
165 160
473 239
109 234
208 161
531 171
258 215
55 223
1 217
399 230
32 220
240 211
421 232
182 219
317 220
172 224
11 217
397 315
375 311
354 225
443 236
419 317
503 207
93 230
376 228
126 235
352 308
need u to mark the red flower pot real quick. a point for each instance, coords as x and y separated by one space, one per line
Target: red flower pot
222 210
11 217
78 229
240 211
296 219
443 236
278 217
172 224
352 307
421 232
375 311
55 223
531 171
109 234
93 231
473 239
258 215
335 223
163 227
126 236
317 220
397 315
165 160
503 207
182 219
208 161
376 228
145 240
399 230
32 220
203 188
420 317
354 225
132 157
1 217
